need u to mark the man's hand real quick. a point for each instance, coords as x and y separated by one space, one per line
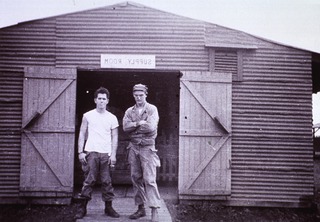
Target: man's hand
141 122
112 161
82 158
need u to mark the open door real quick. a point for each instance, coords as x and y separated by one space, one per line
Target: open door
205 135
48 128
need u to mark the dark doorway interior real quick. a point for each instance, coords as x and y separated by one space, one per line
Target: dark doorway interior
163 92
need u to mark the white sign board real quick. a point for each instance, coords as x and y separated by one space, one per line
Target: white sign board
121 61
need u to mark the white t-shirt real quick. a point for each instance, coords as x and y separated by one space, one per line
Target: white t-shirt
99 131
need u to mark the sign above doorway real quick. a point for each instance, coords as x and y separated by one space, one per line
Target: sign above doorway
123 61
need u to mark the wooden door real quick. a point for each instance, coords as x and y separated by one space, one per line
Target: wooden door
48 126
205 135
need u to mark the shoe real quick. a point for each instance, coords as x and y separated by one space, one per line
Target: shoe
109 211
82 209
141 212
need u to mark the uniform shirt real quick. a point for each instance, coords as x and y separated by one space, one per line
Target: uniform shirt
145 134
99 131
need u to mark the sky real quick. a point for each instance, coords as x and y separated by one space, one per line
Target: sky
289 22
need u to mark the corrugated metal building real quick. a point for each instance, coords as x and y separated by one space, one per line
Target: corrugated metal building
235 110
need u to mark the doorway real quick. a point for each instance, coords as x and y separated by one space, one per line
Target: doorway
163 92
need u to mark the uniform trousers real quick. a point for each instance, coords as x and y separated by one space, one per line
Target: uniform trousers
97 164
143 162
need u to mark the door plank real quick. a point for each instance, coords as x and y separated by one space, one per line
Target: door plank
47 145
205 135
213 151
47 104
47 159
203 103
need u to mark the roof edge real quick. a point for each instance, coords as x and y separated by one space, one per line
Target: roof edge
126 3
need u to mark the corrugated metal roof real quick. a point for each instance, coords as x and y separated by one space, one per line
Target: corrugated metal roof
220 37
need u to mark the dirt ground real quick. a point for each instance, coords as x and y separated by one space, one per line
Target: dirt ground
179 213
197 213
37 213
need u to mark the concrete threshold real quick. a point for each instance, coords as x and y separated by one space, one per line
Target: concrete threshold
124 205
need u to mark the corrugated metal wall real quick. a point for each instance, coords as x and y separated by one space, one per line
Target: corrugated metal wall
272 151
28 44
177 42
271 116
22 45
10 137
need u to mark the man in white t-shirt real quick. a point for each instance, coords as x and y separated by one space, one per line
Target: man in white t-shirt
98 154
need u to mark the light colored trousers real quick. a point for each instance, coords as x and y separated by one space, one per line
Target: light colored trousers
143 164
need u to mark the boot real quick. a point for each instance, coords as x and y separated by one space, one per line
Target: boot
82 209
154 214
109 211
141 212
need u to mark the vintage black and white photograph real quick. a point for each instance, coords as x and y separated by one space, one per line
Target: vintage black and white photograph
159 110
